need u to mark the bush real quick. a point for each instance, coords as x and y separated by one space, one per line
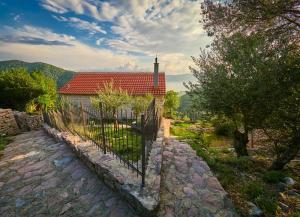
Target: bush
268 204
273 176
254 190
223 127
241 163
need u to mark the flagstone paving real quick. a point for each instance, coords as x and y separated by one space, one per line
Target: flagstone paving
40 177
188 187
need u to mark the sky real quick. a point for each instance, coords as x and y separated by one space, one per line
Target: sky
94 35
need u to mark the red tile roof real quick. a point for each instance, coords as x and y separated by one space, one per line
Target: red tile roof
135 83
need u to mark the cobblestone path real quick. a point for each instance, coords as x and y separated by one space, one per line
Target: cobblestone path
188 187
39 177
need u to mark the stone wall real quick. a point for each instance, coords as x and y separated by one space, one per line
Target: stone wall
8 123
28 122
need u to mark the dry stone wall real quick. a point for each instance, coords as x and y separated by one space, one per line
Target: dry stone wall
28 122
8 125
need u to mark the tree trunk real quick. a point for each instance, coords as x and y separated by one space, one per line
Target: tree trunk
286 156
240 143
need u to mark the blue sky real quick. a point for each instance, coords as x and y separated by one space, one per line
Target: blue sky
93 35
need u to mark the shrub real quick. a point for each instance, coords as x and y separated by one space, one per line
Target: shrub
241 163
224 129
267 203
253 190
273 176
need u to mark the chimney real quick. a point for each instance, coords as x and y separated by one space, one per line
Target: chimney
155 75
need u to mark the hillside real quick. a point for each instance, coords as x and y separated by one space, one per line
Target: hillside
60 75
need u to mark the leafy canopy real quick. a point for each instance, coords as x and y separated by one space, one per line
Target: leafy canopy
18 88
171 102
272 17
112 97
48 85
139 104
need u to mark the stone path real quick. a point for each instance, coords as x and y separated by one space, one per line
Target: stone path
188 187
39 177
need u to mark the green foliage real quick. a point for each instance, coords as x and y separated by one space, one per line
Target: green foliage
185 103
267 203
171 103
254 190
23 91
273 176
255 85
273 18
17 88
223 127
48 85
241 163
268 63
60 75
140 103
3 142
112 97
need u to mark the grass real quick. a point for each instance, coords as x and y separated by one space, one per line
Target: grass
273 176
246 178
4 140
124 140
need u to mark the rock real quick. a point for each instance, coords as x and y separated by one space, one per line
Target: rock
288 181
198 180
188 191
109 203
283 206
65 208
293 192
20 202
254 210
62 162
281 187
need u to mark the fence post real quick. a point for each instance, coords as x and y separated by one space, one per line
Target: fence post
83 119
143 150
154 120
102 127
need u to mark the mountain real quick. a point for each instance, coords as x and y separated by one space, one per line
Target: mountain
60 75
175 82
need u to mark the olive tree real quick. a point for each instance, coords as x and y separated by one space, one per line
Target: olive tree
113 98
140 103
234 81
171 103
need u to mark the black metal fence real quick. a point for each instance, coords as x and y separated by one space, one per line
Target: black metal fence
128 136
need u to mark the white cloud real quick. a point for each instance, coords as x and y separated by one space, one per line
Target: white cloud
92 27
34 35
169 28
98 10
75 56
99 41
17 17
